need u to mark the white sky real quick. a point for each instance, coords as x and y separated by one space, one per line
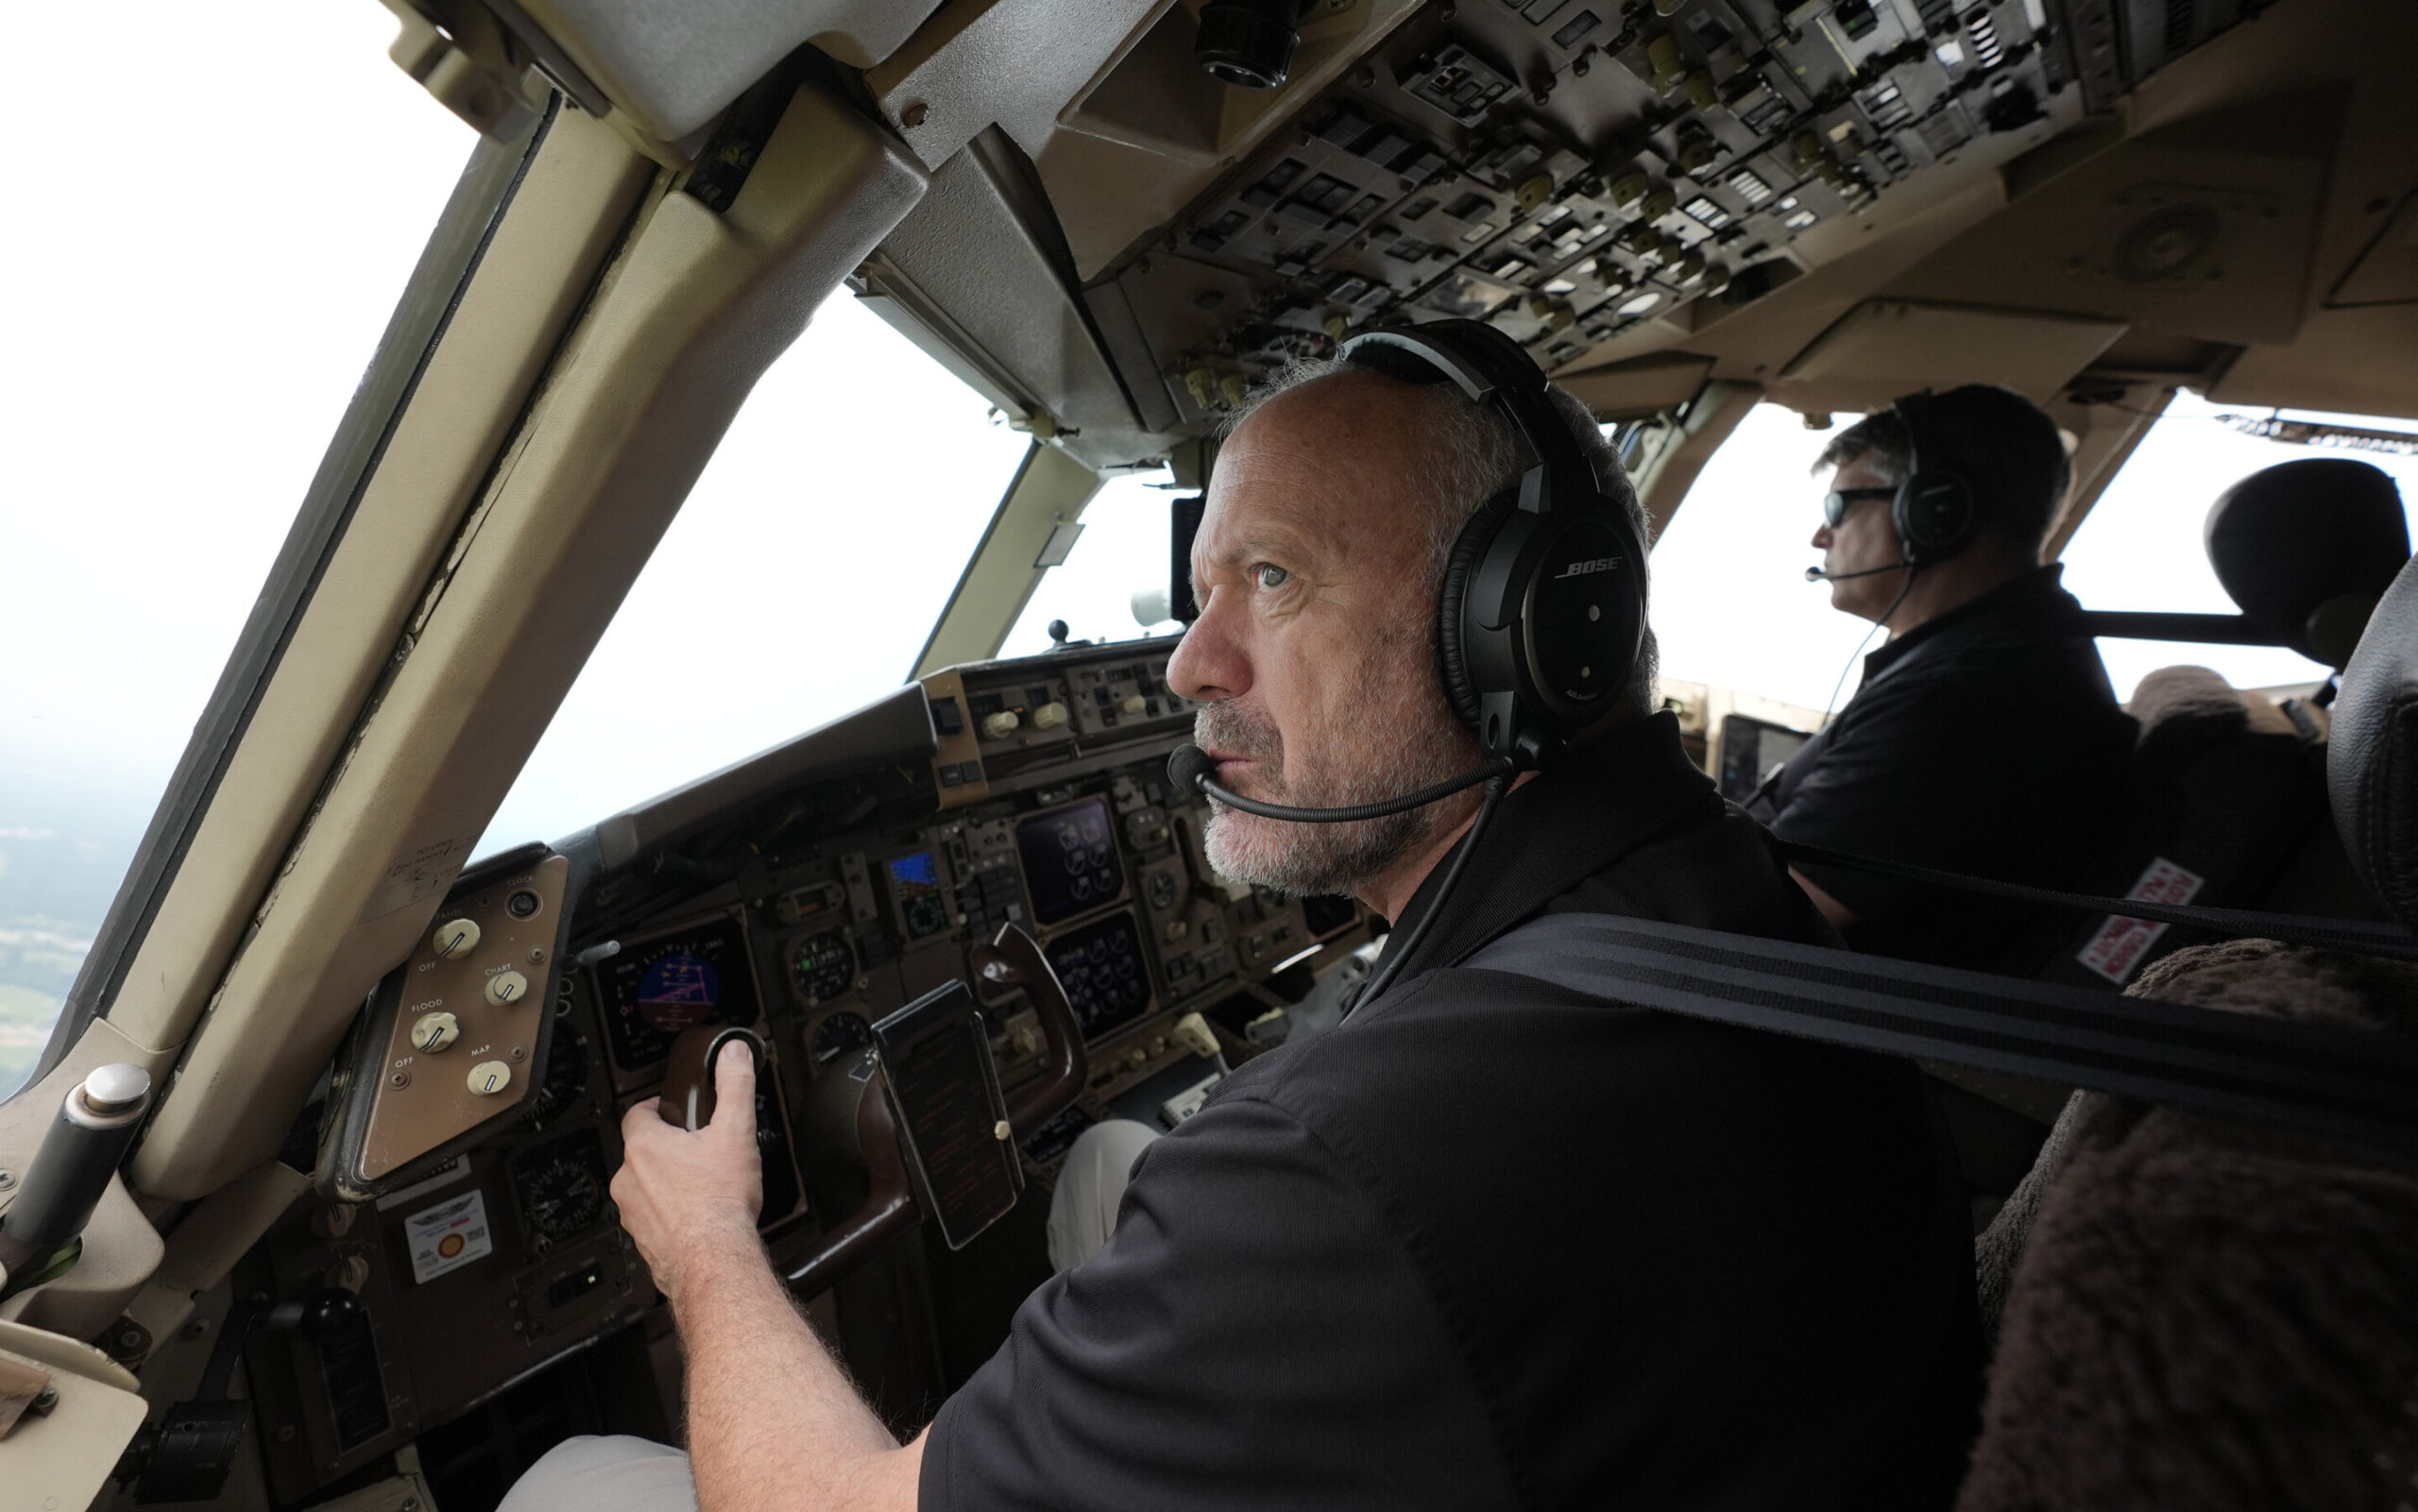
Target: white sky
184 339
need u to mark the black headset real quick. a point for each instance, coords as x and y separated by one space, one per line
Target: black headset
1544 607
1933 510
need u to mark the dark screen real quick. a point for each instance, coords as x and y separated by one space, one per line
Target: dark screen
1750 750
1071 859
1100 967
939 1058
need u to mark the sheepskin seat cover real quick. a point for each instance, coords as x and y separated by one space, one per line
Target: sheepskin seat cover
2208 1314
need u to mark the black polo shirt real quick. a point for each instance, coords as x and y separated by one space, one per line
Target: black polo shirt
1491 1244
1986 741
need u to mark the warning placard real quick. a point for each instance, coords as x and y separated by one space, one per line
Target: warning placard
449 1235
2120 942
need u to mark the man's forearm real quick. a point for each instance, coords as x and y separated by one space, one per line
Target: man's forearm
775 1425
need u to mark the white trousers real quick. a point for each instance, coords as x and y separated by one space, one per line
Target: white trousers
619 1473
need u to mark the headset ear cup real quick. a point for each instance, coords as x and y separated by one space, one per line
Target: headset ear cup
1469 549
1934 514
1901 520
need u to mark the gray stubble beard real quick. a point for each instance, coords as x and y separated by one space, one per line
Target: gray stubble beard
1404 737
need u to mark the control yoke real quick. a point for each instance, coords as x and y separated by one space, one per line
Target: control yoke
852 1127
688 1100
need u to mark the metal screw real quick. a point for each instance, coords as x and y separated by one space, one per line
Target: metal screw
8 1179
914 114
285 1433
400 1079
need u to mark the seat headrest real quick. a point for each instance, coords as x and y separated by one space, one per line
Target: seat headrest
2305 548
2372 761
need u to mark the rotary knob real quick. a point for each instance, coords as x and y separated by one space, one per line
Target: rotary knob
433 1032
456 938
1050 715
1000 725
488 1077
1133 704
507 987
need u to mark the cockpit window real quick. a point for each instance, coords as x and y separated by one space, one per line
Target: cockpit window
2141 546
1733 608
1123 552
181 346
798 582
1729 603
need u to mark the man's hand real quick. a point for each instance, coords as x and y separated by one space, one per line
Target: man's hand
689 1199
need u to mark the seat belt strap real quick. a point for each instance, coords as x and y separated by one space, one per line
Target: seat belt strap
2357 1084
2359 936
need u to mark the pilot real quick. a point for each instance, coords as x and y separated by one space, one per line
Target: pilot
1487 1243
1984 738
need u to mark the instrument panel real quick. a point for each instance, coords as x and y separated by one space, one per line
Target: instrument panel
807 908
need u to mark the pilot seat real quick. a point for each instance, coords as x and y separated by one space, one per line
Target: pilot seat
2195 1310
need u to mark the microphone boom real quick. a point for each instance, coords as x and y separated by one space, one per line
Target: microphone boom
1814 574
1189 769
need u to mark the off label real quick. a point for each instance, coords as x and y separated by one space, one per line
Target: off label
449 1235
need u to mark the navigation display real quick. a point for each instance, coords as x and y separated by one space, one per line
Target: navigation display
652 990
1071 859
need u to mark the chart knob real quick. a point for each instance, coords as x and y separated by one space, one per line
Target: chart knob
432 1032
456 938
489 1077
507 987
1050 715
1000 725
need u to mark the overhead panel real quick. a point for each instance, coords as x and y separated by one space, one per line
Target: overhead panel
1571 172
1599 181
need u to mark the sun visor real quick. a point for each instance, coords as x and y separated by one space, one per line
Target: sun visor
1885 347
670 68
1640 387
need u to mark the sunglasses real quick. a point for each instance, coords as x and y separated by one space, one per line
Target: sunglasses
1836 503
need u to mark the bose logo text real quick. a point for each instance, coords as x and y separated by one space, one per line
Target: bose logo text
1593 564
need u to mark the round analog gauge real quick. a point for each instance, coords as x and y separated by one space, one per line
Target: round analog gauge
566 1078
837 1035
823 966
562 1189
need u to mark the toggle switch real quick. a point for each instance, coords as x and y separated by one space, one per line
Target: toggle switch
432 1032
507 987
488 1077
456 938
